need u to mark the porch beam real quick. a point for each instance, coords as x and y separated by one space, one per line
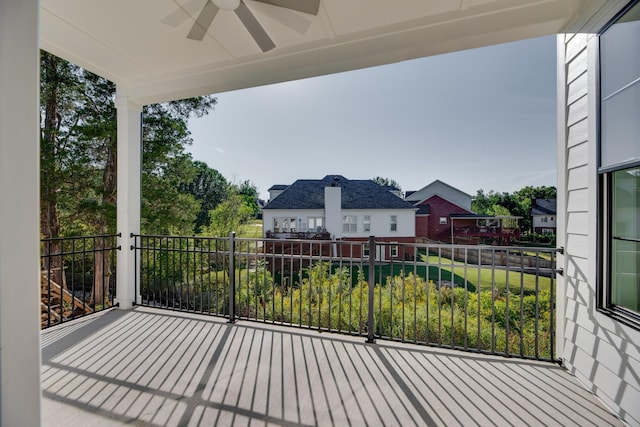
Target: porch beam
20 396
128 202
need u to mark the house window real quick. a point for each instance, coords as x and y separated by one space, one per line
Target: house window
284 225
365 250
443 220
544 219
315 223
489 222
367 223
394 223
394 250
619 168
349 223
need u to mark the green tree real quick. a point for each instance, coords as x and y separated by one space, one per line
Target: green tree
249 193
210 188
78 159
517 203
386 182
59 83
228 216
167 168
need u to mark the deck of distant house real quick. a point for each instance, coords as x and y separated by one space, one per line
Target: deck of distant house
162 368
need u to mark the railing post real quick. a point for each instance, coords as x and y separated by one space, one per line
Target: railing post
371 280
232 277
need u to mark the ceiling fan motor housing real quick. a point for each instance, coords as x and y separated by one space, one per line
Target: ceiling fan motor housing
227 4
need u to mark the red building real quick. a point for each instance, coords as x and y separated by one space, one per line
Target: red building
444 215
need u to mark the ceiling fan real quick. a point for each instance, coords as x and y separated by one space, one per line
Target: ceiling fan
246 16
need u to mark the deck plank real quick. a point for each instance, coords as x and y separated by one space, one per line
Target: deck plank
164 368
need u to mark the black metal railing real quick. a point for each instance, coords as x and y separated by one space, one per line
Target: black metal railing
487 299
77 277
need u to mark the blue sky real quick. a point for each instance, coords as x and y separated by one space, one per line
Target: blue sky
477 119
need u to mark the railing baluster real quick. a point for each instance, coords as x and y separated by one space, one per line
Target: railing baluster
372 265
232 277
317 283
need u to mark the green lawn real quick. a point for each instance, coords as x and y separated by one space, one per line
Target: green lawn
251 230
485 276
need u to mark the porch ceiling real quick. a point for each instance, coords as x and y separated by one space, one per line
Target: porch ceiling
130 42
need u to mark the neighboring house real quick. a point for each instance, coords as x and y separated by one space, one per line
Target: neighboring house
436 203
476 229
276 190
261 203
444 214
543 216
340 209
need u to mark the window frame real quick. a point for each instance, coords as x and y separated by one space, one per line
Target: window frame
604 202
347 224
393 250
366 224
393 223
315 220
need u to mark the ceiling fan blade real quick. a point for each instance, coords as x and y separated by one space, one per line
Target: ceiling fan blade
203 21
255 29
307 6
181 14
287 17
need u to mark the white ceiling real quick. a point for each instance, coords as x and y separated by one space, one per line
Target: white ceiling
132 43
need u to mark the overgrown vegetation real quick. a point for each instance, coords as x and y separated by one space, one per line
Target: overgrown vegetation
407 306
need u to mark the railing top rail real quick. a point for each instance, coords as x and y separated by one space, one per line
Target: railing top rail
96 236
363 242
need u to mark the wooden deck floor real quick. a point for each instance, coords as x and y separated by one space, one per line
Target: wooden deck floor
162 368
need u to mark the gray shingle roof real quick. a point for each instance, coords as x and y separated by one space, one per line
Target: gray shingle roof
543 207
278 187
356 194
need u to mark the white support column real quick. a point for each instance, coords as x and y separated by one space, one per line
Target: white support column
128 204
561 202
20 396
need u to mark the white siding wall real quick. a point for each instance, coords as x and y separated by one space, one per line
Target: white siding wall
601 352
301 215
380 223
537 221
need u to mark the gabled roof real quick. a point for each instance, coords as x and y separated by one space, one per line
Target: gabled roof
277 187
436 187
444 191
543 207
356 194
423 210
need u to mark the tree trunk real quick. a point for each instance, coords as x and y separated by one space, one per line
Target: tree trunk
52 265
102 259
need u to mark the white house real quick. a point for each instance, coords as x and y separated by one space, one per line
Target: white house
598 313
345 209
543 216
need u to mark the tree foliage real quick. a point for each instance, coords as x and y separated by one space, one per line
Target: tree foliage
79 154
517 203
228 216
249 193
208 187
386 182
